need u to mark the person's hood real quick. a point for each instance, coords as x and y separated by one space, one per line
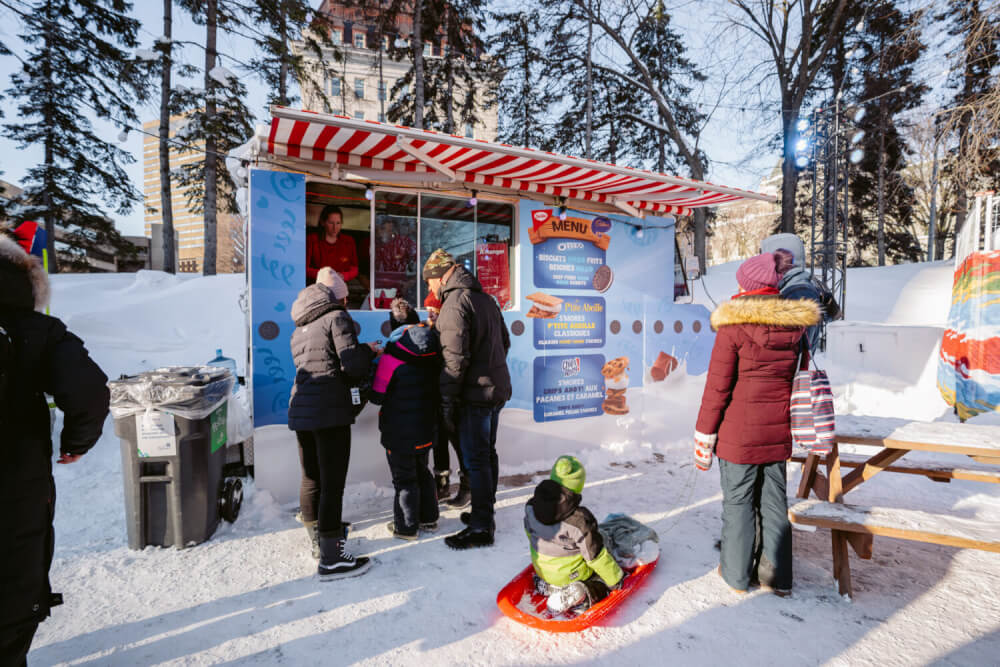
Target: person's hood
414 343
25 283
790 242
460 278
794 276
553 502
313 303
781 320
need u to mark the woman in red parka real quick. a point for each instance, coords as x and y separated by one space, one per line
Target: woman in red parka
744 419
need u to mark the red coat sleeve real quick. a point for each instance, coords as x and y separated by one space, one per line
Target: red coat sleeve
723 369
352 252
312 259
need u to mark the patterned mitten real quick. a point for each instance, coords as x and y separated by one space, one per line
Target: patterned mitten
704 446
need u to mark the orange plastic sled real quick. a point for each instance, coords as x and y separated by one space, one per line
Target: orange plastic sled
519 601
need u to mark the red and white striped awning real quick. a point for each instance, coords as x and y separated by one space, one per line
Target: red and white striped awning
395 149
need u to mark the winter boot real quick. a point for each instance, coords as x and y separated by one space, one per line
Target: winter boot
466 519
567 597
313 537
442 480
336 563
470 538
391 527
464 496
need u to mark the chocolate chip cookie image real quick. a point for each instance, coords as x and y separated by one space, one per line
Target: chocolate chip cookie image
603 278
615 386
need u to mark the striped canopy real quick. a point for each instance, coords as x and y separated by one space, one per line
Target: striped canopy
406 154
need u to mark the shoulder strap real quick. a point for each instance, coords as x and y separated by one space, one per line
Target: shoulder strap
804 356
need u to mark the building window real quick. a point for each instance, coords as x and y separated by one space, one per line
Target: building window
427 49
336 36
335 86
360 115
359 88
381 117
468 130
359 40
381 89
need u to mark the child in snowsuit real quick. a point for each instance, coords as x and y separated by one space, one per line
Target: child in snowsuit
567 551
405 386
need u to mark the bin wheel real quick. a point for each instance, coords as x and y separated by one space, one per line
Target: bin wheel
231 499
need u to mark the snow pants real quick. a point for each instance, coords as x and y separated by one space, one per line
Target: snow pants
477 436
416 495
324 455
756 533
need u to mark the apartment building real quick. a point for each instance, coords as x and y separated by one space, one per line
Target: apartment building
189 226
361 85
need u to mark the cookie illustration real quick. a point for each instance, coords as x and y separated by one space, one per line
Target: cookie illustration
614 403
615 367
545 306
603 277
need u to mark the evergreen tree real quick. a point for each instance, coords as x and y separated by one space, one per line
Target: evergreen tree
217 120
522 102
76 59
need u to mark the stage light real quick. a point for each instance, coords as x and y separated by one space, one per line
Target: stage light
802 161
369 193
801 145
857 136
856 156
802 125
855 113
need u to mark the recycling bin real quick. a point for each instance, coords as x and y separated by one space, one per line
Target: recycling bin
172 426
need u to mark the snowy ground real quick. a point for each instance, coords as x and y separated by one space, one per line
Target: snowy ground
250 594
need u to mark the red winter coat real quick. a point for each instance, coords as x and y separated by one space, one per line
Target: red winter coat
749 382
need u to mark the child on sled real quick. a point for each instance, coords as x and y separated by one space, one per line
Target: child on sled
405 386
573 568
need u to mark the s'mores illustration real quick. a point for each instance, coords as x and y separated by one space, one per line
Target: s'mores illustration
615 385
545 306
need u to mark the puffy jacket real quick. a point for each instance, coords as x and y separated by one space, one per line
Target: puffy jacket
474 343
406 386
750 374
45 359
798 284
565 543
328 362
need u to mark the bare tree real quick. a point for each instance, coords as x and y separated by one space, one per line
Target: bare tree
166 205
798 35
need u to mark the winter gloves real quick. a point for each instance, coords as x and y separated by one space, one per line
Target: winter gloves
704 446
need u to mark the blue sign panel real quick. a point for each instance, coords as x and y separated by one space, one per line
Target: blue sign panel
566 263
277 274
568 387
580 323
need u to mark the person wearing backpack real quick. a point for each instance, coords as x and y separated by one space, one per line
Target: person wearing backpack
38 356
744 420
330 363
797 282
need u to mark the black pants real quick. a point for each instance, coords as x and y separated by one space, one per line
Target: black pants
324 455
442 457
477 436
416 496
14 645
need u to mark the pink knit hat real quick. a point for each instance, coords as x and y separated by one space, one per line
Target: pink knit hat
757 273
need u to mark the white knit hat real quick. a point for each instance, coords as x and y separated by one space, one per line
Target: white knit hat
334 281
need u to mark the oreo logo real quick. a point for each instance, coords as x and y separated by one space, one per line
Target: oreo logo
600 225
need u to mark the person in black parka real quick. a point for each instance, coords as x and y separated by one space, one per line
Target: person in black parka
329 364
406 387
38 356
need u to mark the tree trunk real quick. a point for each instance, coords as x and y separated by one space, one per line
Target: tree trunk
166 205
789 183
50 215
211 228
590 87
418 65
881 182
283 67
449 102
526 83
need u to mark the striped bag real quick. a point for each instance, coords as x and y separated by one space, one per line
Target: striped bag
812 418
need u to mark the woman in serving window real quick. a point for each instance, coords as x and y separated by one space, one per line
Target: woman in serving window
330 247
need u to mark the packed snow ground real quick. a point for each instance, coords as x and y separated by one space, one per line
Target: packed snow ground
250 594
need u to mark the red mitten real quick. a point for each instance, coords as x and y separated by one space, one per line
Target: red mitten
704 446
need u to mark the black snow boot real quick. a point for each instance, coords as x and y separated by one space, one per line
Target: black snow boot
442 480
464 495
336 563
466 519
470 538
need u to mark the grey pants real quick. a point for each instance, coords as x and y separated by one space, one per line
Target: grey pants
756 534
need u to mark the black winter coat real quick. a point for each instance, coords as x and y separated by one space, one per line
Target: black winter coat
46 359
406 386
329 360
474 343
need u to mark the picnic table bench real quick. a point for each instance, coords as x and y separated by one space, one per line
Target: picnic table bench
855 525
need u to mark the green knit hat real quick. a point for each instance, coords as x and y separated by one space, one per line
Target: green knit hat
438 264
569 472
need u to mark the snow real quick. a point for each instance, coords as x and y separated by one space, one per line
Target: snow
250 594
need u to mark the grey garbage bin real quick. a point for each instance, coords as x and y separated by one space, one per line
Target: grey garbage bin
172 427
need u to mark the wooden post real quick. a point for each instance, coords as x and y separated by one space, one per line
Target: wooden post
836 492
808 475
841 563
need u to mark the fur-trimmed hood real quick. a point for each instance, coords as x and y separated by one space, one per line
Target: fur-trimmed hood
770 311
23 281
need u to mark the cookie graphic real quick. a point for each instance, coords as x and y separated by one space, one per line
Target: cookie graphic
603 277
615 367
545 306
614 403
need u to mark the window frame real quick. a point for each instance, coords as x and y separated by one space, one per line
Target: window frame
513 260
339 85
359 37
359 84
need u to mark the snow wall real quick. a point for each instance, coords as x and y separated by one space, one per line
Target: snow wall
583 376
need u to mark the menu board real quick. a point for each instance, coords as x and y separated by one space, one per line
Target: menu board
568 387
568 251
579 323
493 271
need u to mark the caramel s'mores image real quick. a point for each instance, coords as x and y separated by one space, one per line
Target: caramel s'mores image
545 306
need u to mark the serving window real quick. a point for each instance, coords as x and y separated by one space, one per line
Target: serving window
410 226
